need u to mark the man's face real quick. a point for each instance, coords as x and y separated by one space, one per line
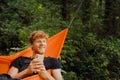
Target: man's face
39 45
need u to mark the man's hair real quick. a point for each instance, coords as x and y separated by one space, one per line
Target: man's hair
37 34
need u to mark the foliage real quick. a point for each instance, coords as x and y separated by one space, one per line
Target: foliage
93 58
70 76
92 47
19 18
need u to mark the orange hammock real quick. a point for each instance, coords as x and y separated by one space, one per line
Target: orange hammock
54 47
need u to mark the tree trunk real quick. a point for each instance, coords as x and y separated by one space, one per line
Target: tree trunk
110 17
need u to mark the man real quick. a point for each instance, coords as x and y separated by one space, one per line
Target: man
23 66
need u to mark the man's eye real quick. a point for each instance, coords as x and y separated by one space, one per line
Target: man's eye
38 41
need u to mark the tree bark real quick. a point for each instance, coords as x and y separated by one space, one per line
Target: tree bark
110 17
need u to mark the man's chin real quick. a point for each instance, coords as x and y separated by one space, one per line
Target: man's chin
41 52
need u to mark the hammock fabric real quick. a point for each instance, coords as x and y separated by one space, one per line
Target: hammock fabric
54 47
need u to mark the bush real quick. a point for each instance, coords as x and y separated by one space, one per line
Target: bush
70 76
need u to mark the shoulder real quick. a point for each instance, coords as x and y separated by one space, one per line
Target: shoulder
54 62
22 57
18 62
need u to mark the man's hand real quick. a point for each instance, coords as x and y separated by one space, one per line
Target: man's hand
36 66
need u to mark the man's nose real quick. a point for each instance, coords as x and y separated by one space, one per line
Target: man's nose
42 43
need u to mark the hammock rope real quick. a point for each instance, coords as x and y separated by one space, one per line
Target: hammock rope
75 13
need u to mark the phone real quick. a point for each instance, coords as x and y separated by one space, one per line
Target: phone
40 57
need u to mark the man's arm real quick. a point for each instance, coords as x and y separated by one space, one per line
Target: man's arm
46 76
13 72
57 74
